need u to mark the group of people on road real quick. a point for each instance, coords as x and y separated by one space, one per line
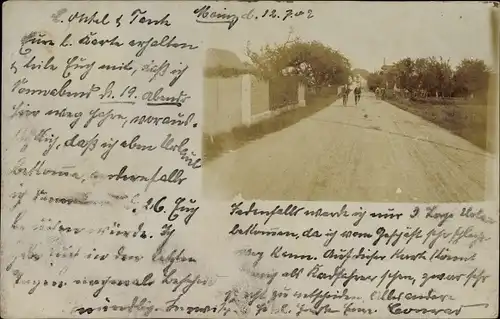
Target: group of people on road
345 94
346 90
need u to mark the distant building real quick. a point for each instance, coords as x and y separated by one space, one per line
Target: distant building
385 68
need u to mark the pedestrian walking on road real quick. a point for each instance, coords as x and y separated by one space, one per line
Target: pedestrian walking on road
345 94
357 95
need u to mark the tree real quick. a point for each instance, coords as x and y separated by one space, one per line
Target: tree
422 77
439 76
318 64
435 76
471 77
375 80
361 72
404 73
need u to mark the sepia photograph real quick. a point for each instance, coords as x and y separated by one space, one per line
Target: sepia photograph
391 106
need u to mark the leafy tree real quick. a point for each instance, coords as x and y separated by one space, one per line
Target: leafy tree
422 76
471 77
404 73
361 72
439 77
318 64
375 80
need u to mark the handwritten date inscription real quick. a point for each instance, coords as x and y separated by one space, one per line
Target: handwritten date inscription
207 14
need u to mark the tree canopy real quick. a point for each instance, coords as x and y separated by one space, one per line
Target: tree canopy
434 76
471 76
316 63
361 72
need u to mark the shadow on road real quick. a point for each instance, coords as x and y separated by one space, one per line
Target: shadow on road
215 146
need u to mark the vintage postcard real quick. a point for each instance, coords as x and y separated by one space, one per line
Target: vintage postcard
249 159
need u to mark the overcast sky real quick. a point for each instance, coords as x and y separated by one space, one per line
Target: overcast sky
367 32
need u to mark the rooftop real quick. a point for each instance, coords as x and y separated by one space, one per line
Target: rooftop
216 58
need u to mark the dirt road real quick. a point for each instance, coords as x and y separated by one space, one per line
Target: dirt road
370 152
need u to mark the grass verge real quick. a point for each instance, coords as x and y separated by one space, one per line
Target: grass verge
467 120
214 146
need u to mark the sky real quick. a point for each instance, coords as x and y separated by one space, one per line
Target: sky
369 32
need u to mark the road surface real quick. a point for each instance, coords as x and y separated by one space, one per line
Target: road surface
371 152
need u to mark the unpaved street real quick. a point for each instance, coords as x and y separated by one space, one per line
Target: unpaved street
371 152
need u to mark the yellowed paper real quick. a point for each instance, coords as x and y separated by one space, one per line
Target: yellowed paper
198 159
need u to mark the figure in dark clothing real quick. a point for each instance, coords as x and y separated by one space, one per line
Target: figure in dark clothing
345 94
382 94
357 95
